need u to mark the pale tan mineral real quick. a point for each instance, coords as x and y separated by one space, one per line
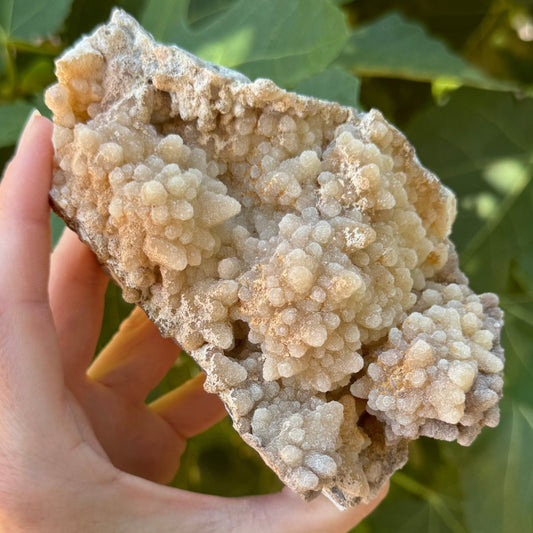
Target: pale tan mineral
296 248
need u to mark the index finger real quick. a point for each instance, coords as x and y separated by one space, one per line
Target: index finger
30 366
24 217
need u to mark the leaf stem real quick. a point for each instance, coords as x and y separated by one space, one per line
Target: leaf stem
10 70
44 48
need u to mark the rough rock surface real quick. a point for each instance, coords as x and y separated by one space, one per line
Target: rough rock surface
295 247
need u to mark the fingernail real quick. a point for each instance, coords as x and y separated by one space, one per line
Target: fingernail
34 113
31 118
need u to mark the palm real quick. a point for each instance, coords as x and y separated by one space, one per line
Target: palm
67 420
145 440
136 439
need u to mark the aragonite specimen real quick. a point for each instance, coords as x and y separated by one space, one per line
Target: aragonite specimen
296 248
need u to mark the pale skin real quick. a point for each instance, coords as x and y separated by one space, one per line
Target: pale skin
79 448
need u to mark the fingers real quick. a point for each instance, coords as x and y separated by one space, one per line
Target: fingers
135 440
77 289
166 509
24 217
285 512
136 359
189 409
29 352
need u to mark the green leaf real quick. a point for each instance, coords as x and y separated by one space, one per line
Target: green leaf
38 74
38 101
202 11
58 227
133 7
518 342
4 57
502 249
167 21
334 84
86 14
496 472
30 19
411 506
480 144
286 41
12 118
394 47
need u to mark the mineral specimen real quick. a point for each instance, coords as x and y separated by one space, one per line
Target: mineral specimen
295 247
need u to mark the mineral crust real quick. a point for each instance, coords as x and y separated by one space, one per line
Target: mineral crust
296 248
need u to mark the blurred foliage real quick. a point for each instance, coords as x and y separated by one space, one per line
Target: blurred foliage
384 48
457 77
286 42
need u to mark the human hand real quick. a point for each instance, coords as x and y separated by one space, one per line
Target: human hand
79 449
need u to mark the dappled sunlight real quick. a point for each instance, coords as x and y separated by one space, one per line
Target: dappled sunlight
231 50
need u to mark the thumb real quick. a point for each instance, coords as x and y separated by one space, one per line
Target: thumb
162 508
285 512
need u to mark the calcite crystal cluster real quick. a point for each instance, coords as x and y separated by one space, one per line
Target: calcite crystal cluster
296 248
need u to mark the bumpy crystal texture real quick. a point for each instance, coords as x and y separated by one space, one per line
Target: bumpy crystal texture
295 247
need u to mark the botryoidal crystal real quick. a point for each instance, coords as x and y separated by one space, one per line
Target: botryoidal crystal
296 248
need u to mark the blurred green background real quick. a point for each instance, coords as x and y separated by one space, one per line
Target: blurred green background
457 77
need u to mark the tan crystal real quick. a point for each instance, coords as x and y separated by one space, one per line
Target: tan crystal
295 247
